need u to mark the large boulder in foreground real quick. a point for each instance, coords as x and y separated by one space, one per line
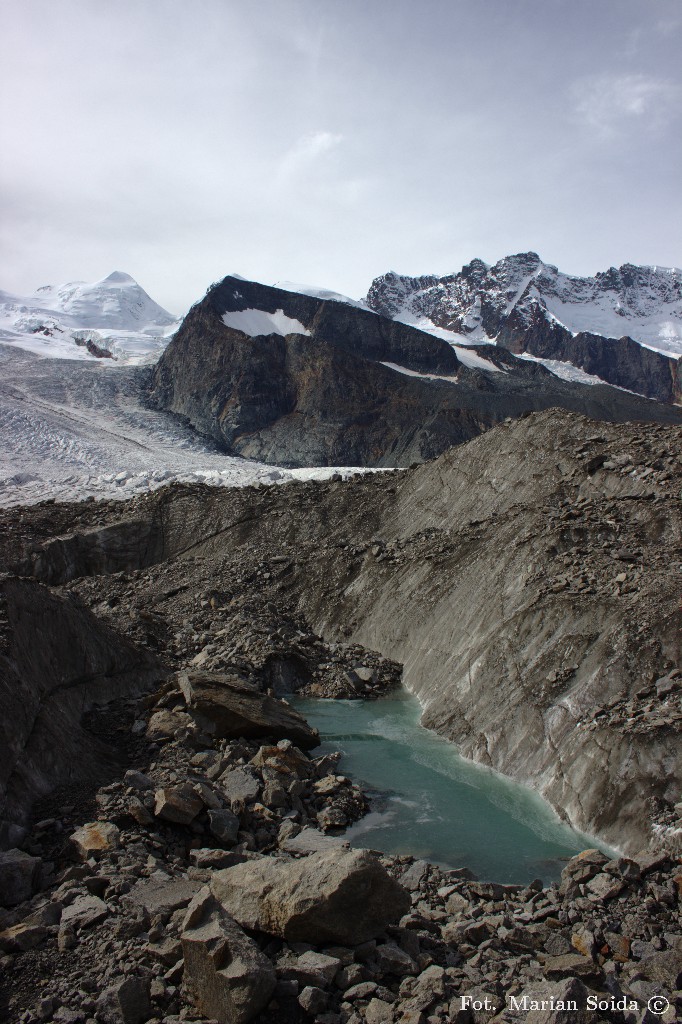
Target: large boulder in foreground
226 706
339 897
226 975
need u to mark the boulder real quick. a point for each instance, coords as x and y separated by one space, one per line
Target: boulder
337 896
226 975
226 706
165 725
125 1002
224 826
84 912
19 877
179 804
94 838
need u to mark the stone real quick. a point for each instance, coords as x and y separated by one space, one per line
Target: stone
378 1012
313 1000
428 988
229 707
581 869
95 838
179 804
19 877
138 780
311 840
391 959
313 968
166 952
241 786
125 1002
415 875
162 896
224 826
569 964
338 896
21 937
165 725
84 912
583 942
619 946
226 975
605 887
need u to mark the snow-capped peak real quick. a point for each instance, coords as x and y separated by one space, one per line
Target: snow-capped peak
79 320
642 302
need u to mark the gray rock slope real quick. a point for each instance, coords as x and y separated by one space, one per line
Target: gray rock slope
528 581
325 397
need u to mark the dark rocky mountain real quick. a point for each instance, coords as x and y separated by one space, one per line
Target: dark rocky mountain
623 325
292 379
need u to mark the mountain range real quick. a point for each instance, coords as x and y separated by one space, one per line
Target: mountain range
297 378
623 325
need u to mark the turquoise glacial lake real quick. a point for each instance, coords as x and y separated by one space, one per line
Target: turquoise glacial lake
430 802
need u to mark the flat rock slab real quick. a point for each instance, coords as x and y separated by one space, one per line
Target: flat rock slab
159 896
228 707
338 896
310 840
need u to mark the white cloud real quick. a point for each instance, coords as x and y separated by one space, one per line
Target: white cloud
306 152
610 103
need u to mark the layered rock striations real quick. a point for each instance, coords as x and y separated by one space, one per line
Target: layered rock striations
314 382
623 325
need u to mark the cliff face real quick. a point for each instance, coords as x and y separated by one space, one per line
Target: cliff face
317 390
528 581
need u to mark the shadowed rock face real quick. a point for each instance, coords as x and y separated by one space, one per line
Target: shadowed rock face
528 581
47 686
324 398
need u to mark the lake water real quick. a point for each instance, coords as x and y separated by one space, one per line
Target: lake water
430 802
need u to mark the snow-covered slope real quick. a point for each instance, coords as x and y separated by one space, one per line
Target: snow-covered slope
643 303
112 318
319 293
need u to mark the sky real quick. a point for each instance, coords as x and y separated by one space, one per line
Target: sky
329 141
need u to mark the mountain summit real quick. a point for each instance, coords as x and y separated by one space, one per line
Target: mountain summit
111 318
623 325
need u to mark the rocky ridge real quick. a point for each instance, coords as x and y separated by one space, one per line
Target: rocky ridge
339 385
602 324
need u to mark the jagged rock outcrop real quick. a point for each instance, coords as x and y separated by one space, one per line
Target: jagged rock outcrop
620 325
305 382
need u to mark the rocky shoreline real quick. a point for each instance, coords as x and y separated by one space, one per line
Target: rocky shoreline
209 882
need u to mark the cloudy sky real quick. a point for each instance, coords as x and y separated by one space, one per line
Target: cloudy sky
328 141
